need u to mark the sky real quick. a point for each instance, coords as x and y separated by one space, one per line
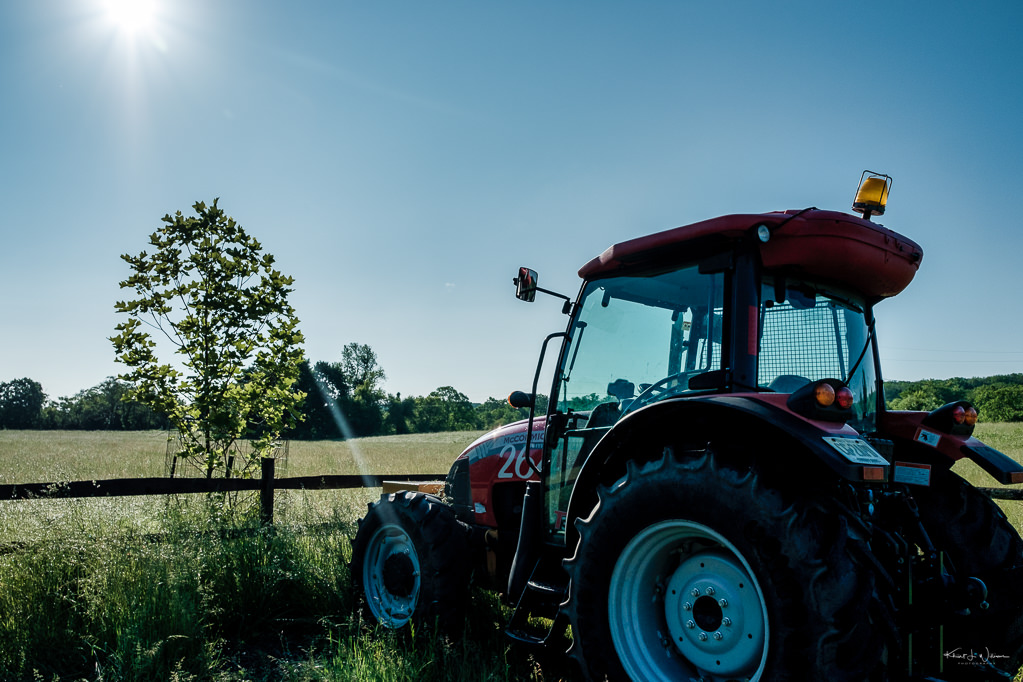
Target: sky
402 159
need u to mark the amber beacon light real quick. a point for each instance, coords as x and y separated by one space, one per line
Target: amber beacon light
872 194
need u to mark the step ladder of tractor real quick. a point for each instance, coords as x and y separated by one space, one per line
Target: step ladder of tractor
541 598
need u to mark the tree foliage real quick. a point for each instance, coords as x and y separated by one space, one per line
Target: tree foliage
108 406
997 398
343 399
21 404
445 409
211 295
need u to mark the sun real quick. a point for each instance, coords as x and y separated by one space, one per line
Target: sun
131 16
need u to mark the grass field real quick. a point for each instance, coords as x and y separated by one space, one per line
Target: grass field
86 593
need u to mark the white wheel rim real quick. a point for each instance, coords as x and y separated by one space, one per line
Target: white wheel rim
392 608
683 601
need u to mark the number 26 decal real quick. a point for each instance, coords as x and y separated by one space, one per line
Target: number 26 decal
515 463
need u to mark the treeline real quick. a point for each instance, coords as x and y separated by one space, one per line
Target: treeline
343 399
24 405
997 398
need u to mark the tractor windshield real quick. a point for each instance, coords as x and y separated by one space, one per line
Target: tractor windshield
637 339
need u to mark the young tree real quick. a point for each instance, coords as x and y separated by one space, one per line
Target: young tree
211 296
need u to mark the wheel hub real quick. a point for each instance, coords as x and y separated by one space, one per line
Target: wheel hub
708 613
399 575
714 614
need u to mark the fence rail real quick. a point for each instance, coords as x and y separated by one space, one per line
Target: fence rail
265 484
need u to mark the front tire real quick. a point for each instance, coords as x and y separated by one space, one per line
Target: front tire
689 569
410 562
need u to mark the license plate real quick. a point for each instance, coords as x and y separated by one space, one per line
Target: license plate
856 451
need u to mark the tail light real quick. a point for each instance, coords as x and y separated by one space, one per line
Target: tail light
827 399
956 418
971 416
844 397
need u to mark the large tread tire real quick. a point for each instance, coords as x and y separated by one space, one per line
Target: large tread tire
410 563
979 541
812 613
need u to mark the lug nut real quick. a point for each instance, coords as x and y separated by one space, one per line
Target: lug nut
710 591
690 625
718 636
726 621
687 606
723 603
703 636
695 592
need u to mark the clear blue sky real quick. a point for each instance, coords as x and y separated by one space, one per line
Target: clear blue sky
402 158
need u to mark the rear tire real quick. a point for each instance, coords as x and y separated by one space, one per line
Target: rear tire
692 570
410 562
979 541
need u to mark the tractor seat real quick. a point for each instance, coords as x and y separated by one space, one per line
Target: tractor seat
788 383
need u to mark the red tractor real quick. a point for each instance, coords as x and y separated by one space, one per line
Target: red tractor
715 490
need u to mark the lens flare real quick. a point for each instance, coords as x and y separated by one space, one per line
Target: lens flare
344 427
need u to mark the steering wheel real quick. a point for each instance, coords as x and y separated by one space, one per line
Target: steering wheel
658 389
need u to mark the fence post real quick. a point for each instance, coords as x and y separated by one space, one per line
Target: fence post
266 491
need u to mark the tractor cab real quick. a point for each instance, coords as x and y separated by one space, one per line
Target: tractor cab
643 338
775 308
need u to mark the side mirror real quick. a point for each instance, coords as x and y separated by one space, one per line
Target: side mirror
525 285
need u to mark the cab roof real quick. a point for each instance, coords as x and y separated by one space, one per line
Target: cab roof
829 245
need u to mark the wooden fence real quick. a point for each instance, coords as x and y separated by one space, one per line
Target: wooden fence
265 484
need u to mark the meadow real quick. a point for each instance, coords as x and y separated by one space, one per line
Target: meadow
151 588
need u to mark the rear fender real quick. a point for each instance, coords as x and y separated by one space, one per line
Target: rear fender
742 431
923 443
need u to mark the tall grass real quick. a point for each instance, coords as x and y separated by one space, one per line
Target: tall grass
1007 438
190 588
95 600
202 601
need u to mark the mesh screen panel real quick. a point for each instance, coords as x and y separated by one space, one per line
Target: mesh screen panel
808 342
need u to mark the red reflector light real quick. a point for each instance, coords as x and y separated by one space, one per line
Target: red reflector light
1016 477
959 414
873 474
971 416
844 397
824 394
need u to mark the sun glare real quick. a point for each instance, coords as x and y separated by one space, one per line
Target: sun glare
131 16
